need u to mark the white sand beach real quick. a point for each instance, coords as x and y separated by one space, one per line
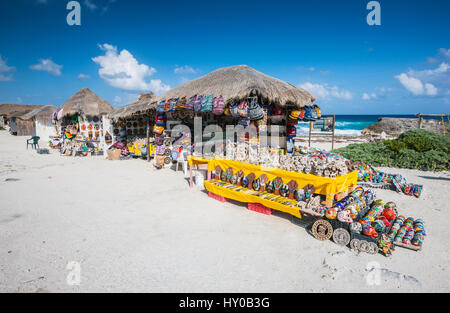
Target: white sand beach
135 229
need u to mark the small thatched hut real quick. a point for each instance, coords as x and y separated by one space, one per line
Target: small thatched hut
34 123
7 110
87 103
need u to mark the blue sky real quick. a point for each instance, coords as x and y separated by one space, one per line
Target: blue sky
124 48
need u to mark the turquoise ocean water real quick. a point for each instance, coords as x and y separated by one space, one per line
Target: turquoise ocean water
351 125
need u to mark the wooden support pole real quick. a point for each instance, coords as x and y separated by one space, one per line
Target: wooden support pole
310 130
148 137
443 125
332 139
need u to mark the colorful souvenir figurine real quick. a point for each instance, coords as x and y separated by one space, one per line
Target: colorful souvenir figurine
331 214
234 179
284 190
229 173
384 244
369 231
263 181
251 178
292 185
240 175
245 182
256 185
344 216
217 172
277 183
300 194
269 187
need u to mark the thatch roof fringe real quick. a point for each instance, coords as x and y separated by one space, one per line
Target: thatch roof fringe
8 110
43 112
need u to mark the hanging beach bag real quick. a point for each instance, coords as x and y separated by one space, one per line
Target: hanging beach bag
173 105
301 116
291 131
160 107
318 111
243 109
158 129
190 103
181 104
234 110
167 105
198 103
160 120
207 104
159 139
278 110
314 115
218 105
308 113
255 111
160 150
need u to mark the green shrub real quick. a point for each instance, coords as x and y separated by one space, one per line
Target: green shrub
414 149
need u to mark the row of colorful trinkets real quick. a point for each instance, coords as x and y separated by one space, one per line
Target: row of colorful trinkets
347 209
317 153
377 220
195 103
276 186
369 174
408 231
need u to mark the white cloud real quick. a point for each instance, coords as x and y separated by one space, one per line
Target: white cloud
445 52
90 5
430 89
5 71
326 92
83 76
424 82
441 69
47 65
122 70
367 96
184 70
415 85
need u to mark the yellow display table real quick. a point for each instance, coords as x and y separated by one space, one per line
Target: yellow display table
193 160
241 196
323 185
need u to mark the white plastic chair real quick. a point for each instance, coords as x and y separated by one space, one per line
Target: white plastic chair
184 163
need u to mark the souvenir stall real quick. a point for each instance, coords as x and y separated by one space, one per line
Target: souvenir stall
81 124
237 95
131 128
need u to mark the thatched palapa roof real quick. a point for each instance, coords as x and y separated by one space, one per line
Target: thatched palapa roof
141 105
10 110
232 83
88 103
239 82
43 112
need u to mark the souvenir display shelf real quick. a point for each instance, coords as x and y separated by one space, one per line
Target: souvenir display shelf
246 195
328 187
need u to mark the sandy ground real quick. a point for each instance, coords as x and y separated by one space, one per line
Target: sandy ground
135 229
